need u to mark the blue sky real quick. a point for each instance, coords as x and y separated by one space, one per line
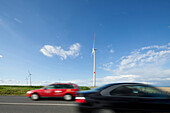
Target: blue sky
53 39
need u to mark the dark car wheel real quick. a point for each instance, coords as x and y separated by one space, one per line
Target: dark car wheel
35 96
68 97
104 110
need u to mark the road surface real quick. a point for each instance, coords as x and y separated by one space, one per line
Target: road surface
21 104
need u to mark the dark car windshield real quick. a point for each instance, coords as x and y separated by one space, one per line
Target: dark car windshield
101 87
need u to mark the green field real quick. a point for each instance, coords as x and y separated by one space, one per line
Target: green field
21 90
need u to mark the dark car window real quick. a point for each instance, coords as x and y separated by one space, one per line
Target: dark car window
50 87
64 86
67 86
147 91
122 91
139 91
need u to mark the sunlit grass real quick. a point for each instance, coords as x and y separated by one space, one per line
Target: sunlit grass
167 89
17 90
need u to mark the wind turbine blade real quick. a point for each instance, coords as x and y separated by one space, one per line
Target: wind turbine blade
94 40
93 45
29 73
92 51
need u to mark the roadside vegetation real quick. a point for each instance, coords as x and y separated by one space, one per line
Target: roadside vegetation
167 89
7 90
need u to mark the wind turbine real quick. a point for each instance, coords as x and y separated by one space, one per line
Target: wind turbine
29 76
94 65
26 80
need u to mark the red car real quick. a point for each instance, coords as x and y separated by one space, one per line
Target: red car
64 90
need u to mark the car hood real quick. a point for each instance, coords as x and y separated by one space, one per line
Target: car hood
87 92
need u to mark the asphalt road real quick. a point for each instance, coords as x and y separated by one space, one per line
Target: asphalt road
21 104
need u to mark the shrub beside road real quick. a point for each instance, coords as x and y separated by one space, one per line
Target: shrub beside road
21 90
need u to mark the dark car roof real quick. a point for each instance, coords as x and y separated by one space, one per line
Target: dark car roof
127 83
64 83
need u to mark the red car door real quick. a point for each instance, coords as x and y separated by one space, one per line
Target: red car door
59 91
48 91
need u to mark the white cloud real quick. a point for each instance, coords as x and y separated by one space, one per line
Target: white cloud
154 54
1 56
106 80
107 66
9 82
117 79
87 82
155 46
23 82
147 64
50 51
18 20
112 51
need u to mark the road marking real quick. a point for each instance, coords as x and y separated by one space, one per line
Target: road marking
37 104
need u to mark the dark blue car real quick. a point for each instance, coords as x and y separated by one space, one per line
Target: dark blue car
123 97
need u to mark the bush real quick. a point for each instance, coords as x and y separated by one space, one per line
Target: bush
84 88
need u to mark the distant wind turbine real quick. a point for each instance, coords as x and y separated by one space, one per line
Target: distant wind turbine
29 76
26 80
94 65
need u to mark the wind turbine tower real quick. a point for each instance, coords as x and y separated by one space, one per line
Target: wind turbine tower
94 61
29 76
